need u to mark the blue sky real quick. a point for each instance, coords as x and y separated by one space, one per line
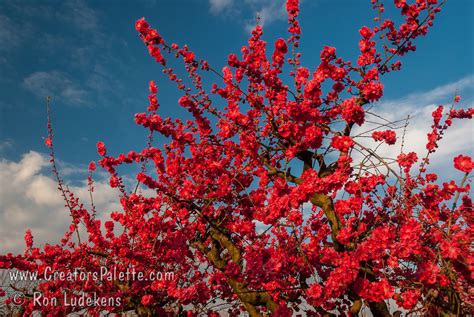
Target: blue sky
87 55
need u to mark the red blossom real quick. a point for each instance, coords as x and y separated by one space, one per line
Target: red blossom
409 299
314 291
29 239
101 148
152 36
373 91
92 166
48 142
389 136
366 32
141 26
292 6
302 75
463 163
342 143
114 181
189 57
152 87
437 114
147 300
407 160
280 46
352 112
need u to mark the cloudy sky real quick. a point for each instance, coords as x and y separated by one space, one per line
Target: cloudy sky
88 57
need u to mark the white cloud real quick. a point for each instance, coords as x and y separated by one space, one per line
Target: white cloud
91 76
6 144
75 13
458 139
267 11
30 199
218 6
78 13
8 34
70 12
56 84
444 93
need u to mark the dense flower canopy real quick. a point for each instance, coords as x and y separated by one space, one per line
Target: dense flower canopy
259 203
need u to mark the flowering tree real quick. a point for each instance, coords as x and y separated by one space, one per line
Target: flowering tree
266 201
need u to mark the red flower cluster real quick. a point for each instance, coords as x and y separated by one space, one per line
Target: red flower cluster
279 54
389 136
373 91
407 160
463 163
152 97
342 143
101 149
352 112
48 142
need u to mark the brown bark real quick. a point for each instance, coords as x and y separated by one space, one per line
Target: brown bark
249 298
379 309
